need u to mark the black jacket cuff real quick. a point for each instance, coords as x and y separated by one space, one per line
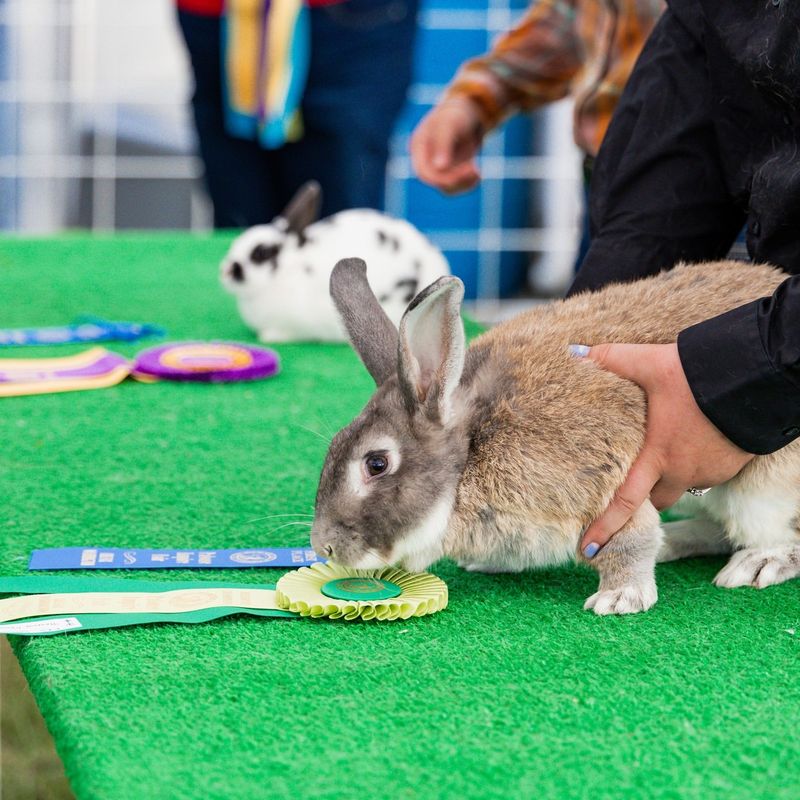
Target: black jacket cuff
736 384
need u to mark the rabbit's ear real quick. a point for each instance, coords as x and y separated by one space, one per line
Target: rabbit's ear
432 346
303 208
371 332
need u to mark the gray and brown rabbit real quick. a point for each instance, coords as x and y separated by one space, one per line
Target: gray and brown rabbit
500 454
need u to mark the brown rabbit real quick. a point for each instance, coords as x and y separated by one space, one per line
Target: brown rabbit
499 455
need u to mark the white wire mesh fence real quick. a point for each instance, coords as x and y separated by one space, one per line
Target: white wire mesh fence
95 132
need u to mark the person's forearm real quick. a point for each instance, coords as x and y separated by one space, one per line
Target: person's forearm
531 65
744 369
658 192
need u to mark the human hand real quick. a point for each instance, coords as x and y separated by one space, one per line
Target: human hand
682 448
444 145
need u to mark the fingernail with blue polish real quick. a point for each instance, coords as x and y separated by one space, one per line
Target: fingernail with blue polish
578 350
590 551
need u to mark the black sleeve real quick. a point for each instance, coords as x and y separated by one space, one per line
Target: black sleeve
659 196
658 192
744 369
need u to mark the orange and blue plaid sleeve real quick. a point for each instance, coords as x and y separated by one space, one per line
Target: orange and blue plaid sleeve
533 64
635 19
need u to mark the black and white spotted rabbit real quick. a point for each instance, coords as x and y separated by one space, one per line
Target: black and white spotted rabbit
279 273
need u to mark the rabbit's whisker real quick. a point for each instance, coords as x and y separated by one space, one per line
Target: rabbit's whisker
274 516
312 431
326 423
379 557
289 524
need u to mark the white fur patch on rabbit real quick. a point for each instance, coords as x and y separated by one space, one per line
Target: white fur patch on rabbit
279 273
760 567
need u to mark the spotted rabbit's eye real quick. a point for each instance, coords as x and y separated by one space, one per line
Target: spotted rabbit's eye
376 464
263 252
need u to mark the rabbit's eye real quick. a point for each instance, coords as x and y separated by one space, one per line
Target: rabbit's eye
263 252
376 464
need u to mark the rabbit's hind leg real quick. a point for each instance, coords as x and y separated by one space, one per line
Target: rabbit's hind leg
760 567
627 566
690 538
761 520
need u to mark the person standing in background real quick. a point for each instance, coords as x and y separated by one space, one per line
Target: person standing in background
345 64
580 48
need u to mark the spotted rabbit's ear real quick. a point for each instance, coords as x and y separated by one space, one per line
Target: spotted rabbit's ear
371 332
303 208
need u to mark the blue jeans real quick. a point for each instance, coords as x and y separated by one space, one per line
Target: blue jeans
360 70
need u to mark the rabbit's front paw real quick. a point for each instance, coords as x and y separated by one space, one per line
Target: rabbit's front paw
760 568
628 599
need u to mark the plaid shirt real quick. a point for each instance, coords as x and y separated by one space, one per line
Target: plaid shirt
584 48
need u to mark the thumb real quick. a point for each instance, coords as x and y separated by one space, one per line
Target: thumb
643 476
621 359
442 144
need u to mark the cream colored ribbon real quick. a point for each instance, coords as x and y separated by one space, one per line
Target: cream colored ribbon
177 601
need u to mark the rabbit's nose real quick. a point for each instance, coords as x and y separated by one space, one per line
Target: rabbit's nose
321 543
237 273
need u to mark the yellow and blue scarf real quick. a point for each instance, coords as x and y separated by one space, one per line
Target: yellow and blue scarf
265 55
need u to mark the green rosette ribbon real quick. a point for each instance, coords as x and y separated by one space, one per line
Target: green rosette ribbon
336 592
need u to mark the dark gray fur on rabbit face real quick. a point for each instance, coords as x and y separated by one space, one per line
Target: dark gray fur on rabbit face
390 477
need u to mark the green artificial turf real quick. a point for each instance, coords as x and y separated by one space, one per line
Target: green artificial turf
512 692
